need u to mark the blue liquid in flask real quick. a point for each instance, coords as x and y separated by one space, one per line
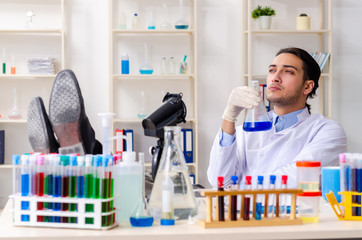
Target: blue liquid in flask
146 71
181 26
141 221
257 126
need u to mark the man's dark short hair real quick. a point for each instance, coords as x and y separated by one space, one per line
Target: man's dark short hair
311 68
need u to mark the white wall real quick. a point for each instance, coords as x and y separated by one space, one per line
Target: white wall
219 24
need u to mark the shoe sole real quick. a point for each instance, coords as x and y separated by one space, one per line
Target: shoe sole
65 108
37 127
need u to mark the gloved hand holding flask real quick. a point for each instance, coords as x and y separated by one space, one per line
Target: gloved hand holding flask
240 98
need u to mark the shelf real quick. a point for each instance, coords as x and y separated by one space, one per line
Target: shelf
31 31
171 32
26 76
13 120
148 164
286 31
153 76
6 166
137 120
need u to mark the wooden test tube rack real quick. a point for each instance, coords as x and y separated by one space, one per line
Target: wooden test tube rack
290 219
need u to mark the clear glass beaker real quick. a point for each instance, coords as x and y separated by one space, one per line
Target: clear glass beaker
257 118
173 165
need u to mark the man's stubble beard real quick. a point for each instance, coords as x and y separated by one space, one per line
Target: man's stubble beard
289 99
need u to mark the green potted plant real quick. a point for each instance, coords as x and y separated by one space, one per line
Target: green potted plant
264 15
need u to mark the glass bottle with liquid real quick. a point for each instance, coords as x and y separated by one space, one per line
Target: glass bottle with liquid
146 68
257 118
181 23
141 216
173 166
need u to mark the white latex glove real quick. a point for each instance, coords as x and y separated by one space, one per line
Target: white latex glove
240 98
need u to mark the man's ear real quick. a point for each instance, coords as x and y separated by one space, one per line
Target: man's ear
308 86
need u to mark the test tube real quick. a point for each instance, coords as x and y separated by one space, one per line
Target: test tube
105 189
88 180
16 174
32 170
25 185
64 173
283 198
98 173
110 190
342 172
220 199
39 183
247 198
4 61
80 176
57 183
359 182
259 199
73 185
271 208
12 68
89 185
234 198
48 183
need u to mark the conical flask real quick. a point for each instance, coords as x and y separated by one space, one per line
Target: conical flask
173 166
257 118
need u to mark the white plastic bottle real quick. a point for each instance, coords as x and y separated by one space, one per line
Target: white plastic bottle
128 186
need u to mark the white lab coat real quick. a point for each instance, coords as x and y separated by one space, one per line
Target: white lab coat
313 137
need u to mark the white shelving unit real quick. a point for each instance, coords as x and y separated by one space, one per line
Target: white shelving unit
45 38
125 89
284 33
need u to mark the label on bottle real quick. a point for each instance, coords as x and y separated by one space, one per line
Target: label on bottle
166 200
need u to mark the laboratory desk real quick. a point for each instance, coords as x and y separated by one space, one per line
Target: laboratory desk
327 228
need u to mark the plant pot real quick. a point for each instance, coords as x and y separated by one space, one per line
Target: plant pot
264 22
303 23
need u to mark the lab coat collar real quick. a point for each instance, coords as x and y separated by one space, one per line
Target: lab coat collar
301 117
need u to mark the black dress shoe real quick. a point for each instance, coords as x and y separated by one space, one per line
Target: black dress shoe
40 132
68 118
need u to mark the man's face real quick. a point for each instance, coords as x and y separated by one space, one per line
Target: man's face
285 80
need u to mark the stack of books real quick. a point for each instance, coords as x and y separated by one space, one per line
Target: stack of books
44 65
321 58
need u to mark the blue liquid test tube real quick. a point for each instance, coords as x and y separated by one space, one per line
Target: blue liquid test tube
259 199
16 174
271 208
57 186
25 179
80 177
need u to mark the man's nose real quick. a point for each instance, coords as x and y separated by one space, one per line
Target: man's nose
276 77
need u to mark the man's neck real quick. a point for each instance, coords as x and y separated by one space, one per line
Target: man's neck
283 110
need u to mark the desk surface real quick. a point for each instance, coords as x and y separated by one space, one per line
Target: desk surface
328 228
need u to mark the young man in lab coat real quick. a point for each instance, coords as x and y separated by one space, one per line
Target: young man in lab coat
295 135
